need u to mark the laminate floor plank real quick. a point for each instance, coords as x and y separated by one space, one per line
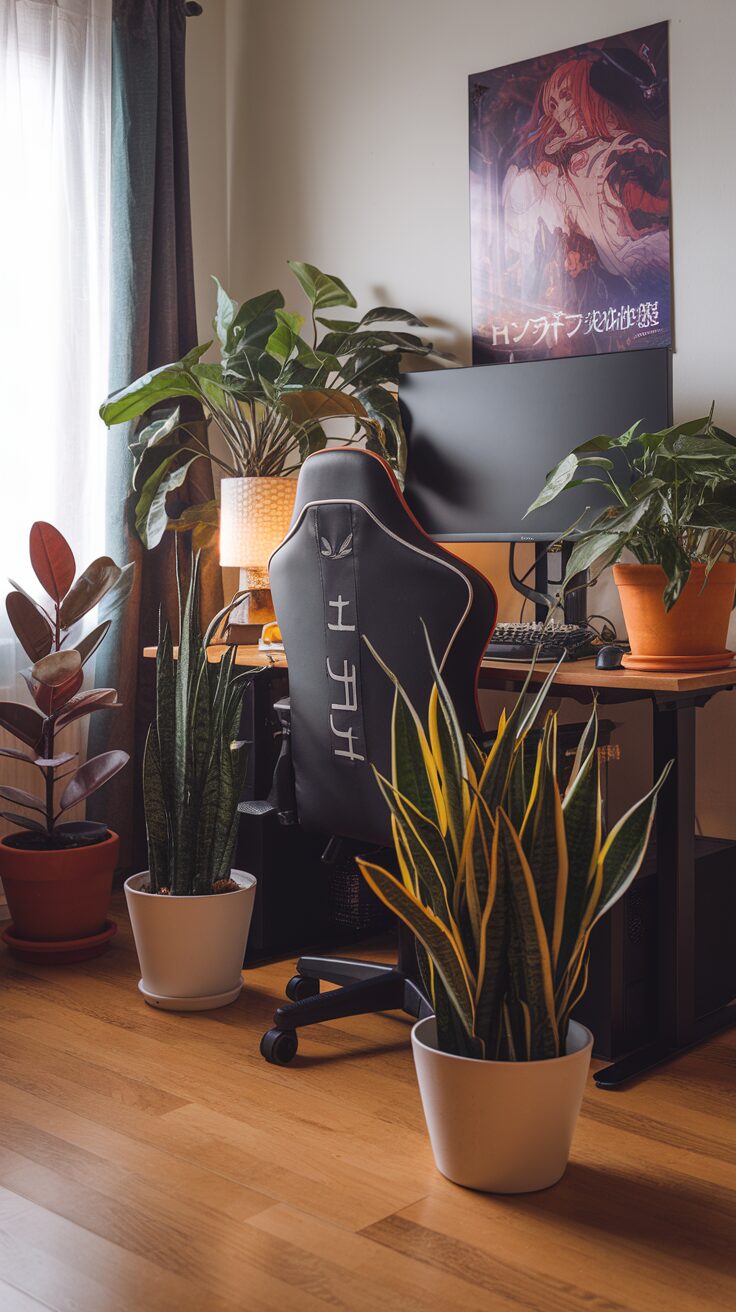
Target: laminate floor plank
152 1162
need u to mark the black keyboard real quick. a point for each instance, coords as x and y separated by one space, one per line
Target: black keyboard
519 642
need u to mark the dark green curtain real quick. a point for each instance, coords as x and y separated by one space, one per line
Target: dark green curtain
153 321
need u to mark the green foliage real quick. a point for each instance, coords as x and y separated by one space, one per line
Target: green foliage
676 506
270 393
193 767
50 637
501 879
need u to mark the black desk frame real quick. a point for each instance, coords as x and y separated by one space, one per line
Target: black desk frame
673 728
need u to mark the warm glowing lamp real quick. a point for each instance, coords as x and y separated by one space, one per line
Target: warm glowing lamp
255 514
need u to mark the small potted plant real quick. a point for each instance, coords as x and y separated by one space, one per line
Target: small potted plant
57 875
501 880
190 911
674 510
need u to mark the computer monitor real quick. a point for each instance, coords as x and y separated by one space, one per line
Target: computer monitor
481 440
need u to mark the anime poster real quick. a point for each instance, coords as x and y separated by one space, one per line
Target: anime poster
570 201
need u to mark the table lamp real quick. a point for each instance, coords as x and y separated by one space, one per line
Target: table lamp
255 514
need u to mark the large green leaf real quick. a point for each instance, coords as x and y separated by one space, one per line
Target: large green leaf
162 384
391 314
284 337
557 480
254 322
323 290
309 404
150 512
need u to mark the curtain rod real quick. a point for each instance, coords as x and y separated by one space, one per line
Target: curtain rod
192 9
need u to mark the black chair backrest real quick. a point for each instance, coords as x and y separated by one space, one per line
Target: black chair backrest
356 564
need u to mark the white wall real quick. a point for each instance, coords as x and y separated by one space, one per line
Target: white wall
336 131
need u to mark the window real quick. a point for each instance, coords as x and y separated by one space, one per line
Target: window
55 58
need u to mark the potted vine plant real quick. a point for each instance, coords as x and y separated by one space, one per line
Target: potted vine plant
57 874
673 507
190 911
501 880
269 395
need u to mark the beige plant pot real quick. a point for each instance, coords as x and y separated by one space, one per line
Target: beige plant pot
190 949
501 1126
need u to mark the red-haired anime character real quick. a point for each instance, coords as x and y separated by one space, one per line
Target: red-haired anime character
587 194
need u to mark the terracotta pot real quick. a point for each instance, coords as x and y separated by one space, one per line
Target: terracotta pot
60 896
191 949
501 1126
691 636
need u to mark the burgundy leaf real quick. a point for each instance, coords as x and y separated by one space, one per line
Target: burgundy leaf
53 762
18 756
31 628
22 798
92 641
52 559
91 776
23 722
24 820
58 668
99 699
34 602
53 700
90 587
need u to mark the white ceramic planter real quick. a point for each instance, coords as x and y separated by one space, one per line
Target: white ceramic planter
502 1127
191 949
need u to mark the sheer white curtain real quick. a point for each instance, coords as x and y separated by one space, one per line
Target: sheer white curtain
54 277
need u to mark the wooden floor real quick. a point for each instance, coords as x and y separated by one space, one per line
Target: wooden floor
153 1161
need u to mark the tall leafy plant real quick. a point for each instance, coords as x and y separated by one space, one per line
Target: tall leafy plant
51 634
501 878
194 764
672 500
270 393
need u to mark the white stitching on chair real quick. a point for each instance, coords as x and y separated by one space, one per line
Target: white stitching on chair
351 501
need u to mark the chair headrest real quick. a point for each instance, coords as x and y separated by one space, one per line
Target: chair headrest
350 474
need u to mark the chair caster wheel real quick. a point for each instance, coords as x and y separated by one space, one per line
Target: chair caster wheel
299 987
279 1046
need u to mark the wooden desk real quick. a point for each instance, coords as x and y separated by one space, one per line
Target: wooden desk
674 699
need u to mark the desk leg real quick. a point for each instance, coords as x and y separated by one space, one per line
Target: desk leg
674 739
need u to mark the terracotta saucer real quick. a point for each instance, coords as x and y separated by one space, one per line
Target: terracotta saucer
719 660
58 954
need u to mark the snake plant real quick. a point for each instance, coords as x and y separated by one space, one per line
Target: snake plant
500 877
194 766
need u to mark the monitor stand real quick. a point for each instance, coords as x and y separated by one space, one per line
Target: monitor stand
575 604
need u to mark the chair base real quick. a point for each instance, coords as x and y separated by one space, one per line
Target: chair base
365 987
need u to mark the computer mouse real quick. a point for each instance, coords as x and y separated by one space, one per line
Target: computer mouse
609 658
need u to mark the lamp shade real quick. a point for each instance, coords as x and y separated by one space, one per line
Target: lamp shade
255 514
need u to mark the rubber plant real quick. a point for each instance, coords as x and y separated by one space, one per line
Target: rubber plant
51 635
269 395
501 877
672 500
194 764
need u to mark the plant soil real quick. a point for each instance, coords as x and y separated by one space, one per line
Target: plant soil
31 840
221 886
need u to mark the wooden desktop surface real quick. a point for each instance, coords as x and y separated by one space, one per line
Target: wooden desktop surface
577 674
